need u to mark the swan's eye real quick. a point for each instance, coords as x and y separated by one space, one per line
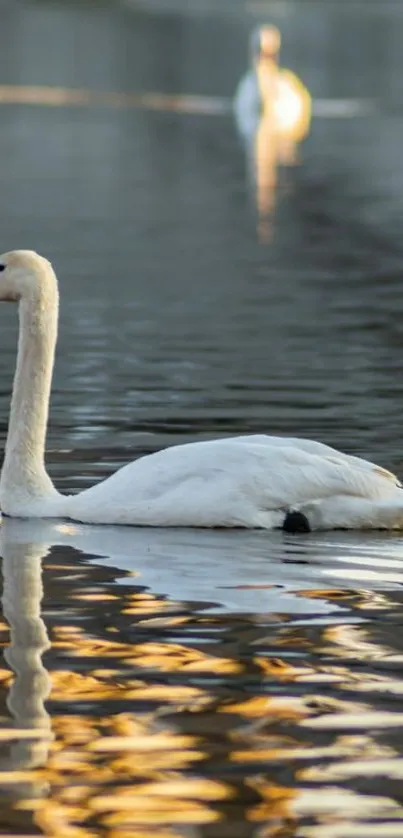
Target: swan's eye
2 268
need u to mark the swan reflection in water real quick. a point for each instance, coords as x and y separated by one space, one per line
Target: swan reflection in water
25 744
273 114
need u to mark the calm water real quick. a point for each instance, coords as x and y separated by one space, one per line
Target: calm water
185 683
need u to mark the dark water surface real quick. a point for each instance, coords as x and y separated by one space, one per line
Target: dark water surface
193 683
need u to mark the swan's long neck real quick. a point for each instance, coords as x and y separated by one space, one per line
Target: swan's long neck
267 78
23 475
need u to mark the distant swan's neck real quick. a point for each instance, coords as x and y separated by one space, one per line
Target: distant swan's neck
23 476
267 78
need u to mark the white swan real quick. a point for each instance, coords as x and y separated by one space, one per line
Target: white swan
275 93
249 481
273 112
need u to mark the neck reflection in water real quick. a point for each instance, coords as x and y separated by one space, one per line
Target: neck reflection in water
31 734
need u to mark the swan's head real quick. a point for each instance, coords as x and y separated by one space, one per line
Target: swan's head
265 42
24 274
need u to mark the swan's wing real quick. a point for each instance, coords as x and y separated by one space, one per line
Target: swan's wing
294 476
310 446
293 105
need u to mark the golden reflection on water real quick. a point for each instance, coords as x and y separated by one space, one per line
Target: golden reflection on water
128 714
277 139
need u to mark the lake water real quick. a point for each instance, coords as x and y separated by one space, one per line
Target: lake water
187 683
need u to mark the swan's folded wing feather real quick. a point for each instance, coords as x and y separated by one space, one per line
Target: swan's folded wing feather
294 476
311 446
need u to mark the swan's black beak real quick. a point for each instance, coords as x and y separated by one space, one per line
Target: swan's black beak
296 522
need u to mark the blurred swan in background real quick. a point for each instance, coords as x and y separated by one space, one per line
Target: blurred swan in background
273 115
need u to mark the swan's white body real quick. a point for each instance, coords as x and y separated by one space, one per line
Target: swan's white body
249 481
289 107
272 93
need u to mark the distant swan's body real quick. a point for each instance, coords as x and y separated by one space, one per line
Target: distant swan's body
273 93
249 481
